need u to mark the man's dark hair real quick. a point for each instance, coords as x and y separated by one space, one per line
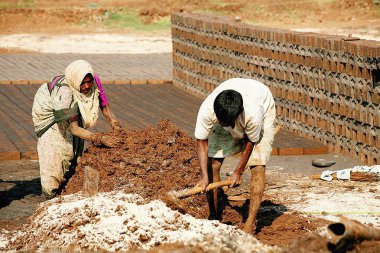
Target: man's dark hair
228 105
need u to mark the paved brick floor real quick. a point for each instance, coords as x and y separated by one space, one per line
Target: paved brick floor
136 106
111 66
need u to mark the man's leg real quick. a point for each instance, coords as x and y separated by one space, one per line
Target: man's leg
257 190
213 169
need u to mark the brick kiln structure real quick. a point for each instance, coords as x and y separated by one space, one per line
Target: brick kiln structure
326 88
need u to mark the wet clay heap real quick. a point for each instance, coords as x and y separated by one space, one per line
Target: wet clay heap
156 160
150 162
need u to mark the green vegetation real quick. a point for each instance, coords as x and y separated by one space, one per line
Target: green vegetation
127 18
4 5
216 7
25 4
219 3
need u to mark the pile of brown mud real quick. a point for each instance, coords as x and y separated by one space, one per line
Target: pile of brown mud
150 162
156 160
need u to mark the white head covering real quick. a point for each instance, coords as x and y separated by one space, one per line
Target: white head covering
88 104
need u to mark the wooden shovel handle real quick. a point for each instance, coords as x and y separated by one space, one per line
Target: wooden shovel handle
199 189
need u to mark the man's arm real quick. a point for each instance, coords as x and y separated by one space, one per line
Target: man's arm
202 146
108 114
236 176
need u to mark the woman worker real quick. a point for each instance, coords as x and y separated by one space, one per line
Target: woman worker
62 111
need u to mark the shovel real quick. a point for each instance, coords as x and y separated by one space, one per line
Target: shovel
91 181
198 189
173 197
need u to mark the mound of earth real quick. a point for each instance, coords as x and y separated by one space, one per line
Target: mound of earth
117 222
151 162
60 17
157 160
133 212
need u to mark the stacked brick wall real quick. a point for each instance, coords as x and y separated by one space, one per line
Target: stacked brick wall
326 88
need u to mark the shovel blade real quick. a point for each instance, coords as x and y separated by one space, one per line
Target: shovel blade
91 181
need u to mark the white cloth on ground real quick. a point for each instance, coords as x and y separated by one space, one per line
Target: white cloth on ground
345 173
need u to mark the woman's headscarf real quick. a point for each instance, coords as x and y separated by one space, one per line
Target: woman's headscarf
88 103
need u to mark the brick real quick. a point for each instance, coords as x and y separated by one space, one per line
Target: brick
20 81
375 98
38 81
108 81
5 82
275 151
11 155
138 81
122 81
155 81
29 155
337 149
373 160
291 151
315 150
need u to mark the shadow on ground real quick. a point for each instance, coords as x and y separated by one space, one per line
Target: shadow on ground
17 190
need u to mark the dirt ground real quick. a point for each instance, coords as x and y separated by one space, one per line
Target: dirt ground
159 159
47 17
80 16
66 26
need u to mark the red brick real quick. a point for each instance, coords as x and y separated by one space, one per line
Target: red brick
138 81
155 81
106 81
12 155
291 151
316 150
20 81
29 155
38 81
275 151
5 81
122 81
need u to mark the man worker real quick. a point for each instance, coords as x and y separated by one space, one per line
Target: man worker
238 116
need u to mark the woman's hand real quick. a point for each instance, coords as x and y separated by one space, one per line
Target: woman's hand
110 141
116 125
106 140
